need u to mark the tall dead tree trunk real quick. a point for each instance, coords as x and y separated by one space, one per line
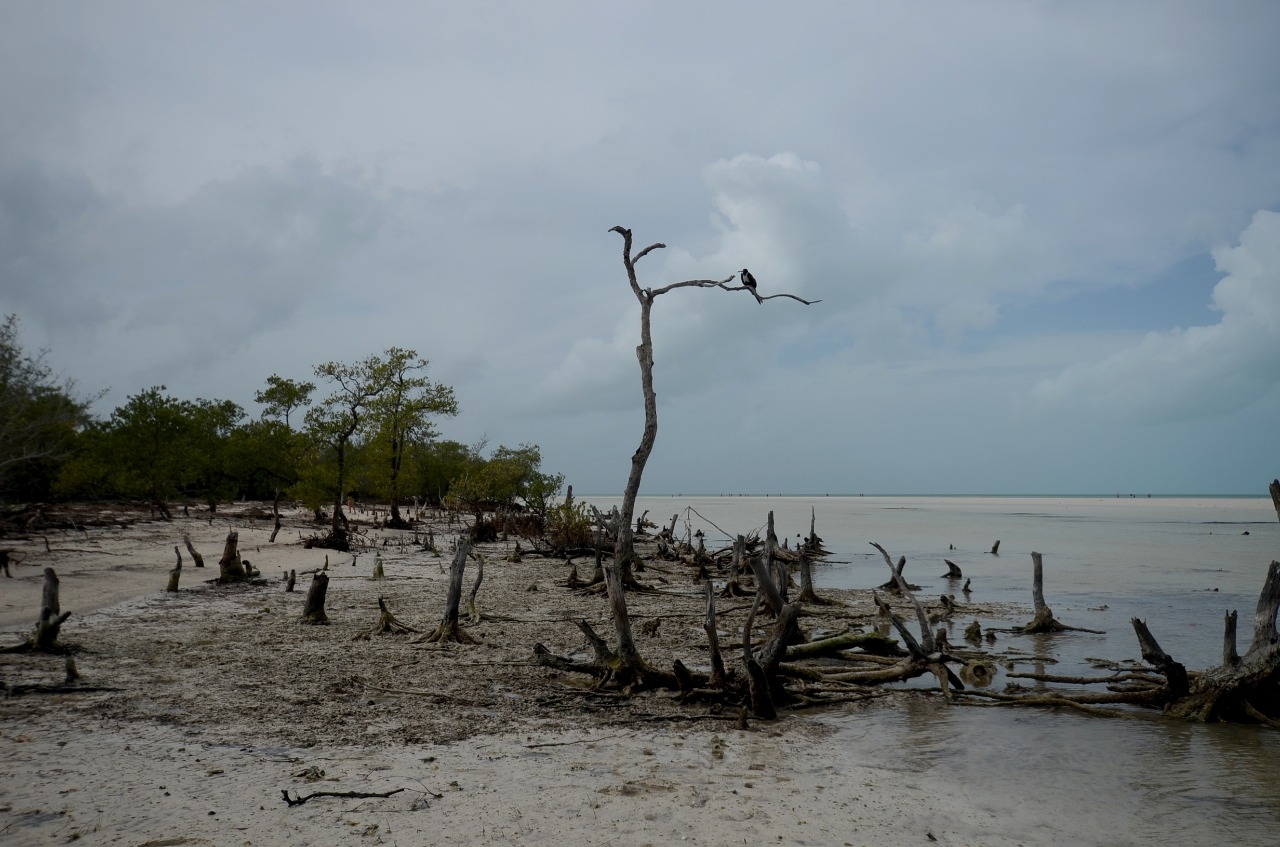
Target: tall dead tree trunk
624 554
449 628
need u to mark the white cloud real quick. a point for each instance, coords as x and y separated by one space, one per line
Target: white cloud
1200 371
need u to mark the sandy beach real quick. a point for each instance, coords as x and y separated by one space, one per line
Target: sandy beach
195 711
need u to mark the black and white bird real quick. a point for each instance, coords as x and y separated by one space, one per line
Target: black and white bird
750 282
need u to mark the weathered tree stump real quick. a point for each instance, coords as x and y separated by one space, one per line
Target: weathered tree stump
175 574
388 624
51 615
1275 495
449 629
195 555
275 511
473 609
230 567
718 678
807 594
1044 621
313 609
953 570
896 581
1247 689
45 636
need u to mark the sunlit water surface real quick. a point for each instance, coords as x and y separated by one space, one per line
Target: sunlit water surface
1177 563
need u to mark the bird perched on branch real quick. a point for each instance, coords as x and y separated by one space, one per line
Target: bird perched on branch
750 282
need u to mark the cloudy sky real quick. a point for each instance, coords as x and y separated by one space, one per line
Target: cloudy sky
1046 235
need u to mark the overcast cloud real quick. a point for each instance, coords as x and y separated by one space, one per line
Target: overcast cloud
1045 235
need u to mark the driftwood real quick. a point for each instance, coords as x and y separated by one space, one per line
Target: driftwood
896 581
1247 688
1244 689
354 795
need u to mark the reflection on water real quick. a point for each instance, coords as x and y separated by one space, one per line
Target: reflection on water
1178 564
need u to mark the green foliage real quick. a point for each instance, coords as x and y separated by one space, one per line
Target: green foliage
40 418
569 524
282 396
264 457
510 478
433 466
400 416
159 447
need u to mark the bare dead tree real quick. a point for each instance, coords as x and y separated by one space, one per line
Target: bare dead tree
624 550
450 629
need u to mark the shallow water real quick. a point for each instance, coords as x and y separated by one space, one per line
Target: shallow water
1177 563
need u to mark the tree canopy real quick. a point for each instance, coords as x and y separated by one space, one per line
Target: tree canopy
40 417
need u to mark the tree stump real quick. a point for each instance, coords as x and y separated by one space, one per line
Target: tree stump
313 609
51 615
175 574
388 624
275 511
1044 621
230 567
1248 689
449 629
195 555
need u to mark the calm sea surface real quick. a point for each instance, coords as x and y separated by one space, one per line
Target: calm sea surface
1177 563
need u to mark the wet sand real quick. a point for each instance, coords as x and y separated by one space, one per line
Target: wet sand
200 708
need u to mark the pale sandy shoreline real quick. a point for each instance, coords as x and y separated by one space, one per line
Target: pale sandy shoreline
219 697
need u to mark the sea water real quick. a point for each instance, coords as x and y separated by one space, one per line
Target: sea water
1179 564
